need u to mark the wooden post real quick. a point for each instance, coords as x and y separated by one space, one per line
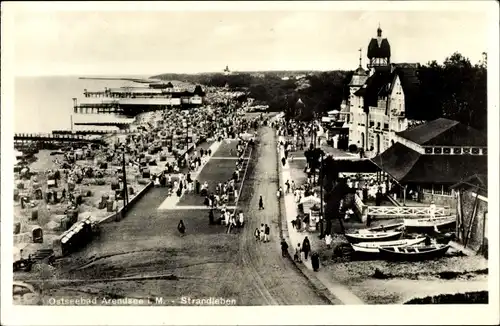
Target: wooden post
472 218
404 195
484 231
459 214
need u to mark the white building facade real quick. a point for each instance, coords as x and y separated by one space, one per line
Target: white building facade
376 103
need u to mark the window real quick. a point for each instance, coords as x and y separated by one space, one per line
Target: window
466 150
475 151
428 150
485 151
437 150
457 150
386 126
372 123
378 125
446 150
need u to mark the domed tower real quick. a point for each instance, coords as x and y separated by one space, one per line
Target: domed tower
359 76
379 51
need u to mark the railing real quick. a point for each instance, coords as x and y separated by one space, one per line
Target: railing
57 136
406 211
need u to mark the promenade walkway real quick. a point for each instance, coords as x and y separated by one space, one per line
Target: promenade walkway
171 201
294 237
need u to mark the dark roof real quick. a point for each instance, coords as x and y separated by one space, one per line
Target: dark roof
445 132
358 166
169 85
397 160
376 51
409 166
376 85
479 181
408 76
447 169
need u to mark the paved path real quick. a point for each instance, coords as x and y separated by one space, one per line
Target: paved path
279 279
206 261
295 237
227 158
171 201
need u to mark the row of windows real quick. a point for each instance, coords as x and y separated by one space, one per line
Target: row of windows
437 189
456 150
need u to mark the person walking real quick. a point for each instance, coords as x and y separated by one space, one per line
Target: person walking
181 228
267 230
262 229
306 247
261 203
298 252
256 234
284 248
315 261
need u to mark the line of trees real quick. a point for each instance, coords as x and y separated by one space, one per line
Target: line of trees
455 89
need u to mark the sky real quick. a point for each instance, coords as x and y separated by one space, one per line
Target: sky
104 41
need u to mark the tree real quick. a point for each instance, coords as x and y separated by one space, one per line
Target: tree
455 90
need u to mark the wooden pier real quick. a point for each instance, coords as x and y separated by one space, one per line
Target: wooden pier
121 125
52 141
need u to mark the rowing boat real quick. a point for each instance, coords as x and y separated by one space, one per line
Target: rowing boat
373 247
430 222
414 252
382 228
373 236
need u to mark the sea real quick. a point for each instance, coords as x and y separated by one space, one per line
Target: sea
45 103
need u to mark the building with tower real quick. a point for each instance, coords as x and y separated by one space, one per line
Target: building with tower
227 71
379 98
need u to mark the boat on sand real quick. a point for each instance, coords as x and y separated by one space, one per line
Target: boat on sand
373 247
373 236
414 252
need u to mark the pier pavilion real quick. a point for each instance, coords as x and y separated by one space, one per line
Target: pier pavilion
428 159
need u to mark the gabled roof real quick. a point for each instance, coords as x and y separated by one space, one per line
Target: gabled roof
376 85
408 76
409 166
444 132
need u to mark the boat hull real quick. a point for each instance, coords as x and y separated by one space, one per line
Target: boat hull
373 247
429 223
390 227
373 237
402 255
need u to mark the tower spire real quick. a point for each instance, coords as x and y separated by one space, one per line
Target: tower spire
360 56
379 31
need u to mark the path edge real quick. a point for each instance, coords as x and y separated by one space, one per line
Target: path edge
316 284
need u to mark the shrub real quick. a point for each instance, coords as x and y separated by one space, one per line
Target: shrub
353 148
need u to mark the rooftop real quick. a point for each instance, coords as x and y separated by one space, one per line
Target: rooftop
445 132
408 166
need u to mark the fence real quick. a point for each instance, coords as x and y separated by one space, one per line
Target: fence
396 211
406 211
